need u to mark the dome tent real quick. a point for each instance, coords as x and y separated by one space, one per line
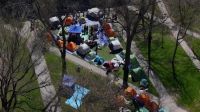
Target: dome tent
115 46
71 46
54 22
83 50
99 60
68 21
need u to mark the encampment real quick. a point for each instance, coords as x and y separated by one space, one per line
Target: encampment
130 92
83 50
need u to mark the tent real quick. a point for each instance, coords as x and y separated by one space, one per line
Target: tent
136 73
91 55
130 92
102 39
144 83
106 26
143 109
68 81
76 100
91 43
115 46
83 50
110 33
75 29
98 60
152 106
92 14
54 22
82 20
144 97
71 46
68 21
60 43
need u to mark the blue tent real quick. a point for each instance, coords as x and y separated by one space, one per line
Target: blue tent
68 81
103 40
76 100
75 29
99 60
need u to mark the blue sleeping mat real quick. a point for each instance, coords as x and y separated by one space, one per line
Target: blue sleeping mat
76 100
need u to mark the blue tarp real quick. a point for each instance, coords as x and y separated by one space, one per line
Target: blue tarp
76 100
103 40
75 29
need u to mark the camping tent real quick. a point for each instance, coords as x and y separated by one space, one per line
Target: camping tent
110 33
130 92
99 60
83 50
54 22
152 106
71 46
60 43
106 26
92 14
115 46
75 29
68 21
91 55
144 97
82 20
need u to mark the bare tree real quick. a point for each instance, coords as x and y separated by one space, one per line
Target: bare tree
16 69
130 22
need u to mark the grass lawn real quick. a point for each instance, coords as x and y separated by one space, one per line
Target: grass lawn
101 94
188 94
194 44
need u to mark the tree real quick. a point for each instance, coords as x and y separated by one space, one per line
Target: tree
130 22
17 77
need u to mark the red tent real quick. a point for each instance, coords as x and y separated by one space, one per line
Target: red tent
144 97
110 33
152 106
68 21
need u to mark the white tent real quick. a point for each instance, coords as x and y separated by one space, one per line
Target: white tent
94 10
83 49
53 19
116 44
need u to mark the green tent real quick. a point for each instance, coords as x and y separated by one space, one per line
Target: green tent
143 109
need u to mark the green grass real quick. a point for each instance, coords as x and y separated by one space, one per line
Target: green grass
105 53
100 95
188 94
194 44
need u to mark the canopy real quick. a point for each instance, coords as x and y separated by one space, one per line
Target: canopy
130 92
75 29
71 46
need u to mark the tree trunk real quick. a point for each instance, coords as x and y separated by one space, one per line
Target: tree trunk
127 60
173 61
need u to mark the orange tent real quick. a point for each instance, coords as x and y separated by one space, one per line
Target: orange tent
144 97
106 26
130 92
68 21
71 46
110 33
60 43
152 106
49 37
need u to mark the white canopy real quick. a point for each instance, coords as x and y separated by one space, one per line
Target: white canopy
94 10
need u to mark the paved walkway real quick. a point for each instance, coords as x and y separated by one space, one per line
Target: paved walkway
175 31
166 100
41 71
94 69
